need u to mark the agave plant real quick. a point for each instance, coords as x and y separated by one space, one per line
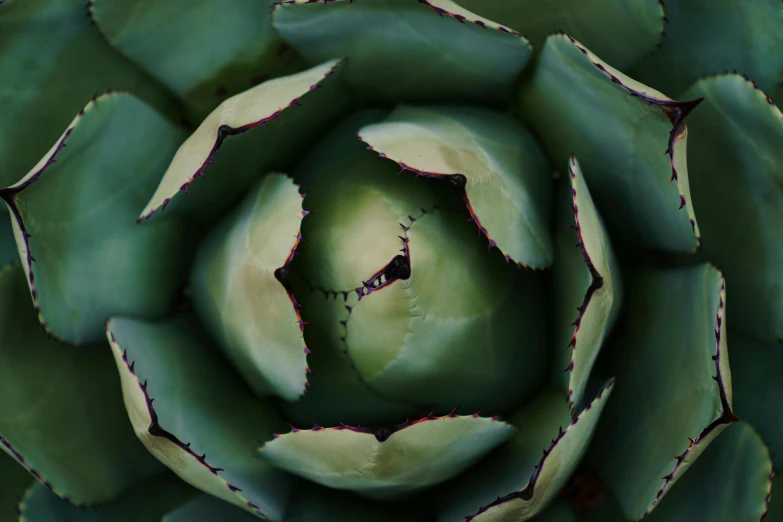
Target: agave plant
404 260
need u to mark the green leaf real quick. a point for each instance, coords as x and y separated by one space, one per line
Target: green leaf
200 408
706 37
516 482
622 31
245 156
241 292
313 503
384 464
587 287
736 170
755 366
630 141
53 62
203 51
673 392
504 176
559 511
61 415
730 482
74 224
206 508
8 251
336 394
480 345
402 50
14 480
145 502
775 503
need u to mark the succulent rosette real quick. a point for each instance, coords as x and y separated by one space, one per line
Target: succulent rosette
404 260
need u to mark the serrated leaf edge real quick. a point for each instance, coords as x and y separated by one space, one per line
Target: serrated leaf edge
155 429
225 131
8 195
527 492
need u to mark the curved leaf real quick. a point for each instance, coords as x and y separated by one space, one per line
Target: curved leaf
713 36
390 303
480 345
497 163
621 31
61 414
737 178
200 408
406 50
730 482
673 392
74 224
240 289
755 369
53 62
145 502
775 503
14 480
336 394
516 482
384 464
630 141
586 279
245 156
8 251
209 51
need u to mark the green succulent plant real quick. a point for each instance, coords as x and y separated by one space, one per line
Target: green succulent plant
391 260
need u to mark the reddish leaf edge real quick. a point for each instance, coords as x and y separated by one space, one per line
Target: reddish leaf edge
156 430
382 434
596 279
224 131
725 418
9 194
526 494
281 274
675 112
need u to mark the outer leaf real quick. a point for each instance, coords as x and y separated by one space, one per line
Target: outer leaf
503 175
586 279
61 415
8 251
206 508
145 502
622 132
673 385
384 465
53 62
711 36
200 408
89 258
730 482
245 156
209 51
755 366
516 483
775 503
401 49
240 288
622 31
14 480
737 176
